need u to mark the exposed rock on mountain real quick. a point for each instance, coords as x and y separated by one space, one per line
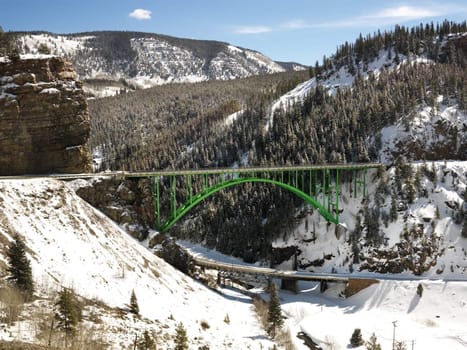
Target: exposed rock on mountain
44 120
127 202
110 62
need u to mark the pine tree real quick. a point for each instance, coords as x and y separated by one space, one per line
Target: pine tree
433 174
464 229
400 346
419 290
373 344
356 340
134 307
146 342
68 312
19 268
410 190
393 210
275 318
181 339
418 180
437 213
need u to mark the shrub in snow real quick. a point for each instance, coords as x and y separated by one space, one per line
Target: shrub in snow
373 344
400 346
204 325
420 290
12 302
356 340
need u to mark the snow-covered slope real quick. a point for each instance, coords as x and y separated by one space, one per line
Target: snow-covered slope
334 78
71 244
143 60
436 132
436 320
433 216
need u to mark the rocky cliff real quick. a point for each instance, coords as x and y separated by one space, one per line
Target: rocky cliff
44 120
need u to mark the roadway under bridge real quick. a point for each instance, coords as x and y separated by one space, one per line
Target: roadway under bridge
289 279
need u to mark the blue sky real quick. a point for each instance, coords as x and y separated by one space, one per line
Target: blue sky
287 30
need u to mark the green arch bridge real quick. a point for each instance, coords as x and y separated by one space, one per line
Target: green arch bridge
317 185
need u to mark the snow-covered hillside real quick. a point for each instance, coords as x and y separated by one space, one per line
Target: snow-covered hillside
343 77
433 216
73 245
438 130
142 60
331 81
435 320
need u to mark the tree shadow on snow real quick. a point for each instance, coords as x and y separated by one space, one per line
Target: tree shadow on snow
413 303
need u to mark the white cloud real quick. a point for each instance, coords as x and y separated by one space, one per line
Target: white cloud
141 14
406 12
252 30
395 15
296 24
384 17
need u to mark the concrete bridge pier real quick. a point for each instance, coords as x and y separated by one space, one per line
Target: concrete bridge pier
323 285
289 284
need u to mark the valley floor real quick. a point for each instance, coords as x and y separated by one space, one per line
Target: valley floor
436 320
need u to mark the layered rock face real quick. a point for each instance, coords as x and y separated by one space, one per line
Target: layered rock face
44 120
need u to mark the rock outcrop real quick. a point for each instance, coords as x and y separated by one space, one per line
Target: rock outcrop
44 120
127 202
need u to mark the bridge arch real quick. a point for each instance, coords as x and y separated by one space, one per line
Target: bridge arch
196 199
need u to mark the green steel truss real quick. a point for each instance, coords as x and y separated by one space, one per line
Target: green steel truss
319 186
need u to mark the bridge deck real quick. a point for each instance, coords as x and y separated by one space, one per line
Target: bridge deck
202 171
253 270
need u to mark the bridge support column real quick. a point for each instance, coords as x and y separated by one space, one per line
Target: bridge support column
289 284
323 285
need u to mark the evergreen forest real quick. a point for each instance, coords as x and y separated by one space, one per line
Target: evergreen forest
184 126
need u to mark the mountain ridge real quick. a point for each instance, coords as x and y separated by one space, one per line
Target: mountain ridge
110 62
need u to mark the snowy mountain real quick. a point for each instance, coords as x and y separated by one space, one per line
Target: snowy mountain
436 132
431 321
110 62
70 244
409 231
429 227
342 76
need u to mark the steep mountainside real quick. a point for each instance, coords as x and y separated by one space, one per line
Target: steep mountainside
394 103
400 94
113 61
72 245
